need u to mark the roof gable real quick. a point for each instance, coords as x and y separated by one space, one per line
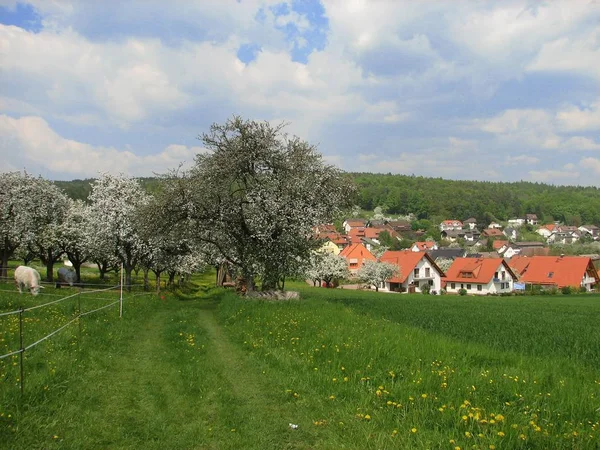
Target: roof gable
407 260
558 270
476 270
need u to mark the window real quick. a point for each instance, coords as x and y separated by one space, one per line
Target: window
462 286
503 275
496 275
479 287
416 273
427 272
468 287
453 285
430 282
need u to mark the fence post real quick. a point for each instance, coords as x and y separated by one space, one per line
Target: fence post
78 319
121 299
22 353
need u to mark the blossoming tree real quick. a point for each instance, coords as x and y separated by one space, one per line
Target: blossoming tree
253 199
114 225
375 273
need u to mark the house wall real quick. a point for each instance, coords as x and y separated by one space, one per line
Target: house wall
422 266
545 232
330 247
491 287
587 282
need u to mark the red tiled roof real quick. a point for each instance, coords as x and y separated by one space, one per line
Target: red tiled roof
424 245
406 260
497 245
476 270
549 227
358 251
558 270
452 222
519 263
492 232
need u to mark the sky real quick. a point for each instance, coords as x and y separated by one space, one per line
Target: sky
477 90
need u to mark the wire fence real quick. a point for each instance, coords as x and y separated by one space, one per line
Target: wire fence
21 311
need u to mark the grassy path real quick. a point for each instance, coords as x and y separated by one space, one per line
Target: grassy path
175 382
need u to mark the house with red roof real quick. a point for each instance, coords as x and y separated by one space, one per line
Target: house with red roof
492 232
480 276
349 224
546 230
417 269
356 255
447 225
424 246
557 271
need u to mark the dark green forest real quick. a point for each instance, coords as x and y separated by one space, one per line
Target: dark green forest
437 199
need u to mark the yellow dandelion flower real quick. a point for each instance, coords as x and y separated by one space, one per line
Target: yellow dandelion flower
423 395
367 417
413 430
468 434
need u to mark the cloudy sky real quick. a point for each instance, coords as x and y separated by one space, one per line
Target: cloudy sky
482 90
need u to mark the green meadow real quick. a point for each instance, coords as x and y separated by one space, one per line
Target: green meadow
201 368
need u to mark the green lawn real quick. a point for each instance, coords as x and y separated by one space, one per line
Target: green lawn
354 370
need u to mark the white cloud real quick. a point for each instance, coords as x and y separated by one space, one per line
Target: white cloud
592 164
535 128
573 118
30 140
566 175
577 55
522 159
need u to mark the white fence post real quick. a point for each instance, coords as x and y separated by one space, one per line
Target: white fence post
121 299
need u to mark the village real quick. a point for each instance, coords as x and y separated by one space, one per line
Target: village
493 261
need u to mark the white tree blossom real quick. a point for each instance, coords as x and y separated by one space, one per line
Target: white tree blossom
74 234
375 273
254 199
30 210
114 226
325 266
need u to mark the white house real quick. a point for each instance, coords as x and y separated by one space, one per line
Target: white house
546 230
448 225
531 219
480 276
417 269
517 222
495 225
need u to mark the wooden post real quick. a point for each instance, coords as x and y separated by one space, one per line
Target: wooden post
22 354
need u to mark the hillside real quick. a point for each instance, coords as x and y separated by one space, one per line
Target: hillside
437 198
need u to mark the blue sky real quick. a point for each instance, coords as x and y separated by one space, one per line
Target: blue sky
486 90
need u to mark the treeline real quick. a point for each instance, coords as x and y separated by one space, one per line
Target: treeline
438 199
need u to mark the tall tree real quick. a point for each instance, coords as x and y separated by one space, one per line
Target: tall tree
114 210
254 198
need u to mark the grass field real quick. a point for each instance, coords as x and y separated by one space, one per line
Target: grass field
205 369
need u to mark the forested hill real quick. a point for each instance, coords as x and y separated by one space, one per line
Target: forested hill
436 198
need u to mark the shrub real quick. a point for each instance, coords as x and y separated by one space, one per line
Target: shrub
442 291
566 290
582 289
425 289
462 291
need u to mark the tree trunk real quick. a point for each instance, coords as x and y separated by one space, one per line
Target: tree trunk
50 270
128 270
146 280
77 267
102 270
157 273
4 264
171 279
